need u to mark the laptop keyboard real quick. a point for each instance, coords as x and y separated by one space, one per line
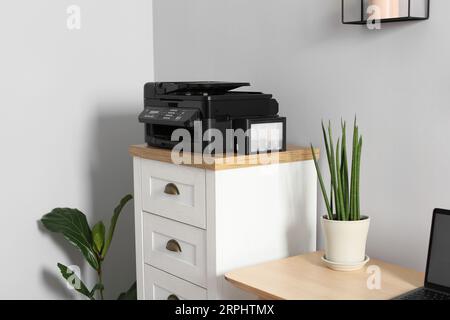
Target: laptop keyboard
425 294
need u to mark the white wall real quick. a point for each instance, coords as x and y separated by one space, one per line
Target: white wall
68 111
396 80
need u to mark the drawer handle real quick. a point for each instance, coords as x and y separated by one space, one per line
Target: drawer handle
173 297
171 189
173 245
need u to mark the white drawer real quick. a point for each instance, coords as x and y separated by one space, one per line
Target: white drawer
176 248
160 285
187 204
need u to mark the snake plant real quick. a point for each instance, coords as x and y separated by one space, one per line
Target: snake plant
342 203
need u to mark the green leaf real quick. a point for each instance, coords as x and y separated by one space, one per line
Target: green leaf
340 196
131 294
72 224
98 236
344 171
329 156
353 190
112 226
322 185
327 146
333 171
331 197
74 280
358 165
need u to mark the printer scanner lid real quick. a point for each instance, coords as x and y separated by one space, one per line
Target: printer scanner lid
196 87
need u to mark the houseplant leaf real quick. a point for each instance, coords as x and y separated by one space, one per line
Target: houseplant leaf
71 277
333 172
130 294
322 185
98 236
344 171
353 191
72 224
339 182
327 149
358 165
327 146
112 226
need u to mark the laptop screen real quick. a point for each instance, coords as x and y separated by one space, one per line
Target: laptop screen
438 269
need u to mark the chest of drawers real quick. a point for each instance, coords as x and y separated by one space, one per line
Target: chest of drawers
196 222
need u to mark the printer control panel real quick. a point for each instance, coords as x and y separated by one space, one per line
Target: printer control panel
162 115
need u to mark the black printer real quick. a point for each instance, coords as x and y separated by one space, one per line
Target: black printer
198 107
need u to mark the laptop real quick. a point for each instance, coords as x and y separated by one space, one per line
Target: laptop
437 276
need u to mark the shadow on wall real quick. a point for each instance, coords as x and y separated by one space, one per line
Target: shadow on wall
111 178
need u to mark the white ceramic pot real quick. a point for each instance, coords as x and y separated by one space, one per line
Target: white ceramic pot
345 241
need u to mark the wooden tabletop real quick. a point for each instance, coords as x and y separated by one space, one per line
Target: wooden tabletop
305 277
224 162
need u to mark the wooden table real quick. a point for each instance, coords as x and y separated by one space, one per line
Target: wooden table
305 277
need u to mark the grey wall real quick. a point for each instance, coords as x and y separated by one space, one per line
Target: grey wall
396 81
68 111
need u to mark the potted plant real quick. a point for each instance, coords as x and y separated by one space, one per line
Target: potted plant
344 227
93 243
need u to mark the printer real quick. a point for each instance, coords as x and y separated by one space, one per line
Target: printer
207 108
